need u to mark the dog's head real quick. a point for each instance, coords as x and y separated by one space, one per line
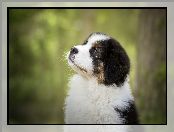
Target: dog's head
102 57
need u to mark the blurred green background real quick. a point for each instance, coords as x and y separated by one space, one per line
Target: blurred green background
38 71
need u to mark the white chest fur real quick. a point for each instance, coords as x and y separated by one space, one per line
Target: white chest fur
90 103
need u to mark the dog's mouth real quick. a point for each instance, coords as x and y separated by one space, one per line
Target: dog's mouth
71 59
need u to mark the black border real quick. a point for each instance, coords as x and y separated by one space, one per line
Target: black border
8 8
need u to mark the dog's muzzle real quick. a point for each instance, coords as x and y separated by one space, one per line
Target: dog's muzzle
72 54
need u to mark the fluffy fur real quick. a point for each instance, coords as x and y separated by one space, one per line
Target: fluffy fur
99 93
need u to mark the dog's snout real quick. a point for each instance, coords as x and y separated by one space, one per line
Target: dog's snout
74 50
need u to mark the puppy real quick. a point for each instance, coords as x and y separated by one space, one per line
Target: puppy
100 92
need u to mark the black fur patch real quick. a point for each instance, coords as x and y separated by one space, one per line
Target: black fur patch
116 64
129 114
96 52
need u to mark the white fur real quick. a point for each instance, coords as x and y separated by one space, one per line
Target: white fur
97 37
91 103
83 58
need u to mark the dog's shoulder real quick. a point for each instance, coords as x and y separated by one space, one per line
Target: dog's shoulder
129 114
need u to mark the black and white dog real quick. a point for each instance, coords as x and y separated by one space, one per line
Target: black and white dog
99 93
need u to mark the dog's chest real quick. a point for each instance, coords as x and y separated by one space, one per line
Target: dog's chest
89 103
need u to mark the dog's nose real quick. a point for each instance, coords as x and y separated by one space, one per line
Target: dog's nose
74 50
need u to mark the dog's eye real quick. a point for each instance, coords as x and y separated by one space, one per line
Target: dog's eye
96 52
98 49
95 49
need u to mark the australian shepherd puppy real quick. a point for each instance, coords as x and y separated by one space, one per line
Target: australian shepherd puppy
100 92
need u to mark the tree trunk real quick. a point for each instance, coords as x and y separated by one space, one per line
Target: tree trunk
151 67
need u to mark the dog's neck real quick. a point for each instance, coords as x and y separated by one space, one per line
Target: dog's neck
114 94
93 81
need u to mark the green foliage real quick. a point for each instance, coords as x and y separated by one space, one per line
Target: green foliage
38 42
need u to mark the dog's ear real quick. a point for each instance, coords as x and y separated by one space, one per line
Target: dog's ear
116 63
